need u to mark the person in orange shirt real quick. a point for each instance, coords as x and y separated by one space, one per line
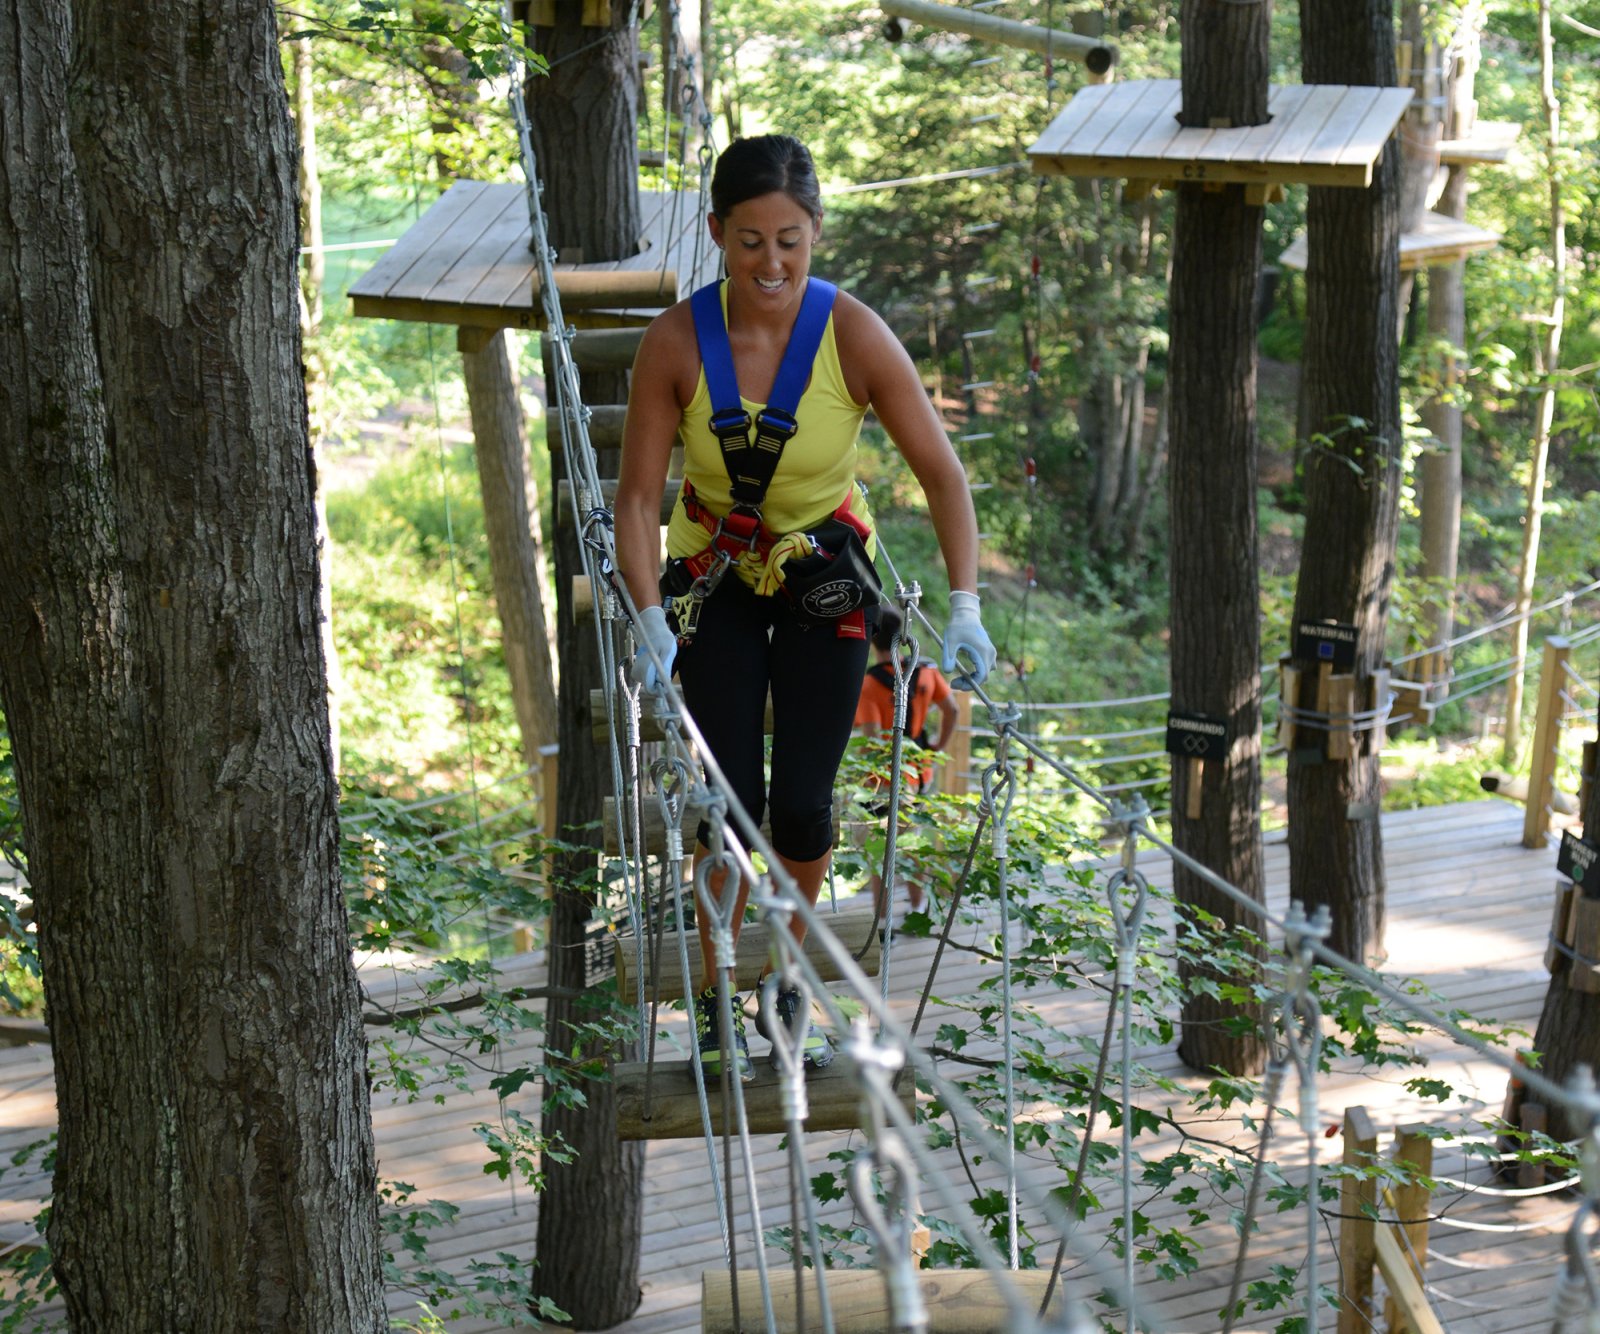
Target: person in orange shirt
926 689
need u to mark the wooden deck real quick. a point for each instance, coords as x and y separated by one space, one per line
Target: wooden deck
466 262
1318 134
1468 909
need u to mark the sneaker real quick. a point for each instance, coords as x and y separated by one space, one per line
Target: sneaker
818 1050
706 1013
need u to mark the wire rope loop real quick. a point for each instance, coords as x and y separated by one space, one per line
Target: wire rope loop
1127 919
718 908
1578 1291
672 782
1299 1014
789 1046
631 697
891 1226
999 792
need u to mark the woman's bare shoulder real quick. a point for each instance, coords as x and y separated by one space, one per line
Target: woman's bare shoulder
669 351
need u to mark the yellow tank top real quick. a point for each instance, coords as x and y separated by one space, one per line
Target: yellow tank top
813 478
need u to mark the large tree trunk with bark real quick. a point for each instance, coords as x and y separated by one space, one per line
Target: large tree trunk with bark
1353 478
1216 604
163 681
1569 1025
591 1213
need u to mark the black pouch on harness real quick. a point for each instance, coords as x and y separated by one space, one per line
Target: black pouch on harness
836 579
676 578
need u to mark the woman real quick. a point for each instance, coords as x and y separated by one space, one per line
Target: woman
747 637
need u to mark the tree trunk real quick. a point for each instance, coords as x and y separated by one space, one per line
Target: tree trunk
1441 461
1216 603
163 681
1547 361
516 547
1569 1024
1420 129
1447 326
591 1214
1352 483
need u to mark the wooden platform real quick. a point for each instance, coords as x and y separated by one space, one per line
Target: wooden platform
1439 240
1491 141
1318 134
466 262
664 1105
1468 911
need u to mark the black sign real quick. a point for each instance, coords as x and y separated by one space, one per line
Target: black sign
1197 737
1577 861
1332 642
599 951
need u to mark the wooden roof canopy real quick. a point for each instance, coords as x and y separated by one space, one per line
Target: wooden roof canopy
466 262
1319 134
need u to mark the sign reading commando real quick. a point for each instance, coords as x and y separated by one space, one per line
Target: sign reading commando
1195 736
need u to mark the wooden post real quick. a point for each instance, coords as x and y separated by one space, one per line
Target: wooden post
1288 698
1194 787
1583 934
1415 1149
1357 1229
1534 1119
1341 697
1560 925
1546 741
959 756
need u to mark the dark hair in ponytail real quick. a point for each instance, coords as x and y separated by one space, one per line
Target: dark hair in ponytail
762 165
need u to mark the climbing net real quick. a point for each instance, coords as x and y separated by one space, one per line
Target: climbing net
896 1170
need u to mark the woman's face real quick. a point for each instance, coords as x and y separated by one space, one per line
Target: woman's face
767 242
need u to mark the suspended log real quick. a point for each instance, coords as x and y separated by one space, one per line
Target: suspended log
958 1301
608 498
605 349
605 426
673 1109
1092 53
855 925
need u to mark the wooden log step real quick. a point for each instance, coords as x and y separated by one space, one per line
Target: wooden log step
605 427
608 498
649 724
605 349
959 1301
655 829
833 1094
855 924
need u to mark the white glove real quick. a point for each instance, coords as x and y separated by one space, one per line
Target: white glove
965 633
657 635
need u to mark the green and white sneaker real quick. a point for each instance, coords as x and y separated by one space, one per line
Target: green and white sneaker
705 1012
818 1050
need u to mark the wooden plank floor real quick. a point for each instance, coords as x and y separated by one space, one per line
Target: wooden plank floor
1468 909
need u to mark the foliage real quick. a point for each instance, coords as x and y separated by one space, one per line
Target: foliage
1189 1152
424 699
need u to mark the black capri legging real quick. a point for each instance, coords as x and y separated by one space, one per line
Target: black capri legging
745 643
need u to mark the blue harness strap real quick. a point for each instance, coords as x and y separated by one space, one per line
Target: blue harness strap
751 462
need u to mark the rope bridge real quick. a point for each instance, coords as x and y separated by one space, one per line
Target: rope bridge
896 1173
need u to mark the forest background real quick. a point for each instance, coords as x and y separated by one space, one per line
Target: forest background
1046 295
1035 308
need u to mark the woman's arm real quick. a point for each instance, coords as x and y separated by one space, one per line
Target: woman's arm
656 399
879 372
